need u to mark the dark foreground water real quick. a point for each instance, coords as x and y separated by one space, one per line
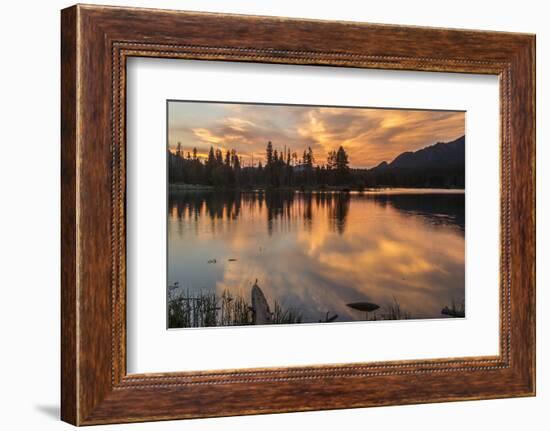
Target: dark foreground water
314 253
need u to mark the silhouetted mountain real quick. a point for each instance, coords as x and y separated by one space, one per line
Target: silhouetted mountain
382 165
439 165
439 156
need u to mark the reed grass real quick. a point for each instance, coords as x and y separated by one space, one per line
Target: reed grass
205 309
394 311
457 309
285 316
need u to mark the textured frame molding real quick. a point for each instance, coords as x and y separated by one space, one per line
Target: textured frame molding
96 41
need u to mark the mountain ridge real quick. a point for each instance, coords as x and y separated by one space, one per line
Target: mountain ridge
438 155
439 165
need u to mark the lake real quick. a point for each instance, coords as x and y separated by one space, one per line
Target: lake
316 252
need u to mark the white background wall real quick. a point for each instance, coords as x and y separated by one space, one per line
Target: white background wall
29 214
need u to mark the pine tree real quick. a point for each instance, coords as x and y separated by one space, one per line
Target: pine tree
211 161
269 153
219 157
289 171
227 158
331 160
342 161
310 158
342 168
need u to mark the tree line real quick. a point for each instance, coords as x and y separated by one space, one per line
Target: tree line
279 169
285 169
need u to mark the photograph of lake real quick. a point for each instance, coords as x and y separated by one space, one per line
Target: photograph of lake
284 214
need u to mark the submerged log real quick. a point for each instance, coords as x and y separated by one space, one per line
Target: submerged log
260 307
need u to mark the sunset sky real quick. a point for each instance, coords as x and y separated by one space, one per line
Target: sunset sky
369 135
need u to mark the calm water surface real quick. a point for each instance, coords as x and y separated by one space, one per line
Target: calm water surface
317 252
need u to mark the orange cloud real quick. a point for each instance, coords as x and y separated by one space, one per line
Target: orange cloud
370 135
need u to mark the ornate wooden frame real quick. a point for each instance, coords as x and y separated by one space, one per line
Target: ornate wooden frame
95 42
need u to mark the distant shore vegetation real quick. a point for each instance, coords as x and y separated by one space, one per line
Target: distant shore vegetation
283 168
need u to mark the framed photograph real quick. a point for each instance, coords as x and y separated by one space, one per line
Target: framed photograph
324 214
314 228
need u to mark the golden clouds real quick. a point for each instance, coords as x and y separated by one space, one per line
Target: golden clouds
369 135
207 136
374 135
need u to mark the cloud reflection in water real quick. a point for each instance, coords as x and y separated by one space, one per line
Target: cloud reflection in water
317 252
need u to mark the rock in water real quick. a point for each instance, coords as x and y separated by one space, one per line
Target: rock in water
260 307
364 306
452 312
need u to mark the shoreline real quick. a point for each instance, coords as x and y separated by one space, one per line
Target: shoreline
175 188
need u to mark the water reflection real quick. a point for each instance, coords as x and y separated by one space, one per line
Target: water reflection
316 252
279 206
